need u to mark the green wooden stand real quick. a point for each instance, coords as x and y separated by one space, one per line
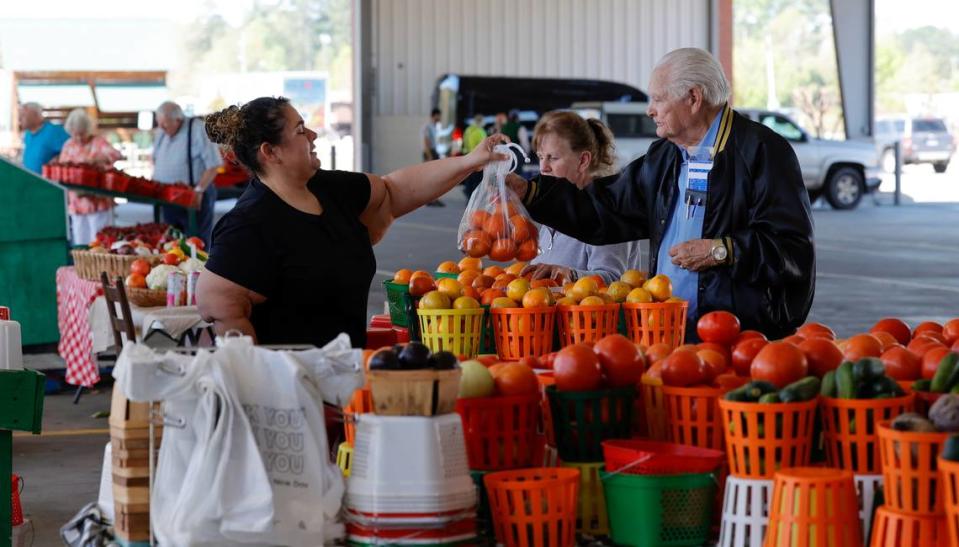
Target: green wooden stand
21 409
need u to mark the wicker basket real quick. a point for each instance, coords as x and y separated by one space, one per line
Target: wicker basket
146 298
89 264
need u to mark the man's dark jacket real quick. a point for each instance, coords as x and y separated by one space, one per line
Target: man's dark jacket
756 197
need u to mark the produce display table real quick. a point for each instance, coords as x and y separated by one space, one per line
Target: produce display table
85 326
135 198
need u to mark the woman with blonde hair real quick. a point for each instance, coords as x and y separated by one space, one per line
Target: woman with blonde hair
578 150
88 213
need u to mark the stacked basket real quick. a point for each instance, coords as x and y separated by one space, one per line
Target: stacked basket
409 482
130 440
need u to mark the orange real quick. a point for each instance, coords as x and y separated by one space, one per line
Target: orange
660 287
495 227
421 285
476 244
503 302
516 379
493 271
435 300
528 249
448 267
584 287
478 219
566 301
633 278
517 288
465 303
483 281
466 277
542 283
470 291
136 280
488 295
600 282
470 263
536 298
503 250
421 273
450 287
593 300
516 268
140 266
618 291
520 229
402 277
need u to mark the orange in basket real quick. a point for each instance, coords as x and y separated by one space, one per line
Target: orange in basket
849 430
949 471
693 416
501 432
654 323
903 530
523 332
534 507
586 323
813 506
762 438
361 403
909 470
654 407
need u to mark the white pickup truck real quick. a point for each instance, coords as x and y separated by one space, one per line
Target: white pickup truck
840 171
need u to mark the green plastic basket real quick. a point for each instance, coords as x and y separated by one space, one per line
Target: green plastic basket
441 275
484 519
396 296
621 325
653 510
487 339
582 420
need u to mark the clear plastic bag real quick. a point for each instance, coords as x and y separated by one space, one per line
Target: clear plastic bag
495 223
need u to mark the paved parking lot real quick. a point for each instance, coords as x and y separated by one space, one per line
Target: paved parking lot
874 261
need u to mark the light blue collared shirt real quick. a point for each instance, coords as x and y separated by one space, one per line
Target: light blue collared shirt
681 229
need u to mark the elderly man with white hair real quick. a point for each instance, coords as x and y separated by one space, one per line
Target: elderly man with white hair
182 152
721 199
42 140
88 213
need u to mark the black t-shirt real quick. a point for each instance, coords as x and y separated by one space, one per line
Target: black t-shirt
314 270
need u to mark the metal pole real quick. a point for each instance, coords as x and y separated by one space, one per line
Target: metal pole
332 156
898 150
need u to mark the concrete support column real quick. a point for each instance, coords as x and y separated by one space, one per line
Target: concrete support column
853 23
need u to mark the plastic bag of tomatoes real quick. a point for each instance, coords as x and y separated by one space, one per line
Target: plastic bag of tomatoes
495 223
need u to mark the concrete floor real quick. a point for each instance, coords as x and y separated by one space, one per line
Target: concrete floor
876 261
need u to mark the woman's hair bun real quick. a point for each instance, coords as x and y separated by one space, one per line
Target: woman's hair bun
223 127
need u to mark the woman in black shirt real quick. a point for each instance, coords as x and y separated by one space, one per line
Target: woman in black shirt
293 261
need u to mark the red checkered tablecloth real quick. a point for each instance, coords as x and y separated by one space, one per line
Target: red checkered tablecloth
74 298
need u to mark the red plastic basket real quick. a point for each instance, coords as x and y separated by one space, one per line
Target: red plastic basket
501 432
16 510
638 457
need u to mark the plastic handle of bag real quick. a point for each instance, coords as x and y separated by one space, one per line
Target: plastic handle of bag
503 167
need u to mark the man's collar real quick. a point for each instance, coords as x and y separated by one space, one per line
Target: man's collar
716 136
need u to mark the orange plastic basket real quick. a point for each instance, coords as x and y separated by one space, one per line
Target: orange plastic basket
813 506
849 430
523 332
586 323
501 432
534 507
909 471
763 438
361 403
902 530
456 331
693 416
663 322
654 407
546 379
950 491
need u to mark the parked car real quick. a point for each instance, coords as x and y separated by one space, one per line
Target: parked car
924 140
840 171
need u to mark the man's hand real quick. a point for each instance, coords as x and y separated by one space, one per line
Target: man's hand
517 184
694 255
560 274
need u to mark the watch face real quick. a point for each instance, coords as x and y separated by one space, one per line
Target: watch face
719 253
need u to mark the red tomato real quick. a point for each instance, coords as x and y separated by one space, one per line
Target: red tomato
547 360
719 327
171 259
779 363
658 352
714 362
656 370
722 350
950 331
140 266
794 339
728 381
927 326
862 345
746 335
822 355
488 360
932 335
683 368
922 344
901 364
885 339
744 353
816 330
531 362
196 242
577 369
516 379
621 360
931 360
896 327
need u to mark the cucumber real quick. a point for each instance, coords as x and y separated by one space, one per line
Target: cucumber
867 368
953 379
940 381
955 389
768 398
737 395
885 386
921 385
751 392
803 390
845 384
950 448
828 387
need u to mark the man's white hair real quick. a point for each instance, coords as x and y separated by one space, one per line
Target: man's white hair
33 106
690 67
78 122
170 110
